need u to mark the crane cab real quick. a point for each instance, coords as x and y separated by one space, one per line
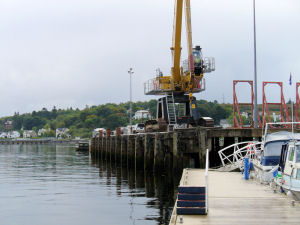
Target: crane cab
198 61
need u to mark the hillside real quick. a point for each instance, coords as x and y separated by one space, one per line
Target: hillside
110 116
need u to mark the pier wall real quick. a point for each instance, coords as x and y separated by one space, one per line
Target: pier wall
169 150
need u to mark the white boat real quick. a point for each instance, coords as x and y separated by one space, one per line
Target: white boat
288 175
266 162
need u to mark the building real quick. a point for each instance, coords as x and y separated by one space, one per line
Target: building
62 133
224 123
142 114
42 131
13 134
8 125
3 135
29 134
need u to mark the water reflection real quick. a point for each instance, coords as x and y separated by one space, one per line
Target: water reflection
157 191
53 184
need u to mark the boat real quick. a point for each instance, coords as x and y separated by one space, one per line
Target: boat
266 161
82 146
288 174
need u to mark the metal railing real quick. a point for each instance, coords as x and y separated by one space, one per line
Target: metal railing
237 153
153 87
209 64
206 181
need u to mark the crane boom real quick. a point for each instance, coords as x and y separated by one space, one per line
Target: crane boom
183 79
188 21
176 45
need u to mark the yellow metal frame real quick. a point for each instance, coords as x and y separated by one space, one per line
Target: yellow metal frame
179 81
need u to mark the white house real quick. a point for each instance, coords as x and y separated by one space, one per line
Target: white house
29 134
42 131
3 135
60 132
13 134
145 114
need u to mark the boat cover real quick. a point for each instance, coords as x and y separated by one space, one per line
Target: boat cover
273 144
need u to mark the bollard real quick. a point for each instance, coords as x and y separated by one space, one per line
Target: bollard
247 168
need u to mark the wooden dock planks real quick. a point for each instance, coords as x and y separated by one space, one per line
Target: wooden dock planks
233 200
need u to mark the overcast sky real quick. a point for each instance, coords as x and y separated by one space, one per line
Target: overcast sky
72 53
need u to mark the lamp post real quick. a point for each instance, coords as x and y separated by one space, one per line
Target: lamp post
255 71
130 72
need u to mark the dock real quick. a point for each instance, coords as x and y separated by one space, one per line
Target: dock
177 149
234 200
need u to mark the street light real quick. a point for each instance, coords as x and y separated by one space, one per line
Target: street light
130 71
255 71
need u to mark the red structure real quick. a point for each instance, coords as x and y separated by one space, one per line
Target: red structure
297 102
265 107
238 122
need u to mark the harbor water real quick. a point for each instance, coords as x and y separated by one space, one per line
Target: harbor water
54 184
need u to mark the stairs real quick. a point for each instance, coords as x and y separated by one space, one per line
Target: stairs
171 109
191 201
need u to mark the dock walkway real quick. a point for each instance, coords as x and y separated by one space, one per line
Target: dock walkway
233 200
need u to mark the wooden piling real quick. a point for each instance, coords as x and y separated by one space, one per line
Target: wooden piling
139 151
158 152
123 149
118 148
131 150
148 152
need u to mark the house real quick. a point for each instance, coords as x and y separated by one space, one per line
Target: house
29 134
245 114
8 125
142 114
42 131
224 123
3 135
13 134
62 133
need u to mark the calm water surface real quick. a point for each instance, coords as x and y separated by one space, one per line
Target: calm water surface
53 184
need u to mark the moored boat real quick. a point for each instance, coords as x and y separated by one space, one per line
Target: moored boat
288 175
268 159
82 146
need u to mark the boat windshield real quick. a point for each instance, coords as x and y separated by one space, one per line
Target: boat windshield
273 148
298 174
297 153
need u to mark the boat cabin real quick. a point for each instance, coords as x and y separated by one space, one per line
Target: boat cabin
273 146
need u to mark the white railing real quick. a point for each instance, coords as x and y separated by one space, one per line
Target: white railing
209 64
237 152
206 181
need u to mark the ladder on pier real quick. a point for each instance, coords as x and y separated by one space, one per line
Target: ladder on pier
192 196
171 110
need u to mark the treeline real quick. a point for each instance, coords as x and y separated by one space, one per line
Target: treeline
110 116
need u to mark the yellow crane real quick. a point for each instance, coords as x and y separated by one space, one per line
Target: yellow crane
184 80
